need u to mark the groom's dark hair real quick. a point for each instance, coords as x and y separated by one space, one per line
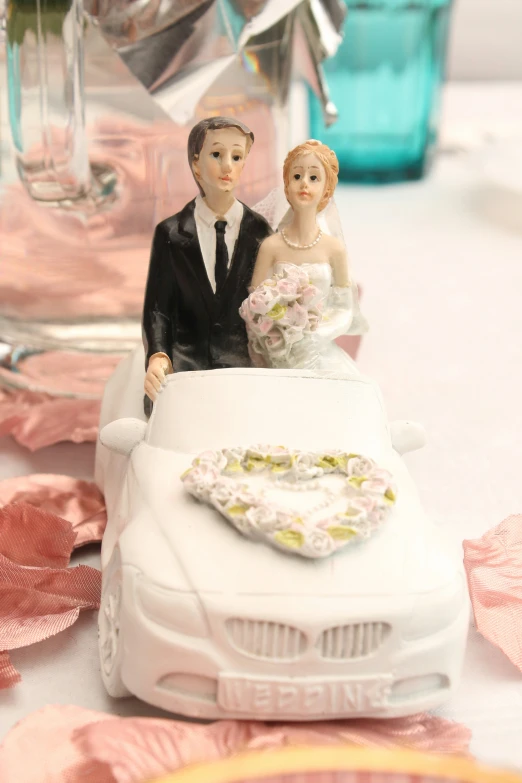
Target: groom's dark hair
198 133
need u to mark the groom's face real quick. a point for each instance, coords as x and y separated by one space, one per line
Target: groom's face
221 160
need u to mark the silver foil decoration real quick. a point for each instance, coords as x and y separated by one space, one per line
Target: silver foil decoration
179 48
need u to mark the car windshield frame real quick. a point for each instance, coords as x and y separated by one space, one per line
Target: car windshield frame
185 434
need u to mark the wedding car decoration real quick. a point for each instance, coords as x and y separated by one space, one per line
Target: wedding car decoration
203 621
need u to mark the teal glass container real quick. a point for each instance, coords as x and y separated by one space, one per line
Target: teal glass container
386 82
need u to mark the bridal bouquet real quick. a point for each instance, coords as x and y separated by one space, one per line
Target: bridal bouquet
279 313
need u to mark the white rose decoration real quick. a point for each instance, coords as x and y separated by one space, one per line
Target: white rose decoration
222 492
258 452
304 466
359 507
263 518
246 498
215 458
359 466
318 543
285 519
234 454
244 526
377 516
201 480
279 454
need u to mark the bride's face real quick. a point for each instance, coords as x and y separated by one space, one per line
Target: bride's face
306 182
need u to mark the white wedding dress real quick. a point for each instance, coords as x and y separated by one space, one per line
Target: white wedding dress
340 315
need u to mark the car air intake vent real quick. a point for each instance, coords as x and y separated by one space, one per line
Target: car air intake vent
266 640
345 642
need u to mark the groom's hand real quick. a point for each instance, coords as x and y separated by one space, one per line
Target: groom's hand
157 370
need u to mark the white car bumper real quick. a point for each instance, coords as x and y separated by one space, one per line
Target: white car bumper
260 668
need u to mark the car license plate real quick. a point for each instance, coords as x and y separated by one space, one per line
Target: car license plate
302 696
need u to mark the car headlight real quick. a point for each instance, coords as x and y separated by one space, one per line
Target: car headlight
181 612
434 611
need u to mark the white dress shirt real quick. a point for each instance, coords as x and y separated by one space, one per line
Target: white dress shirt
205 225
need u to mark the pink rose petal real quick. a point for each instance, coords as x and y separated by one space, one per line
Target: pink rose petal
494 569
39 596
37 420
32 537
36 603
137 749
69 744
79 502
40 749
8 674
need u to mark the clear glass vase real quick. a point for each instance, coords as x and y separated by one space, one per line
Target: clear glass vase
386 82
45 77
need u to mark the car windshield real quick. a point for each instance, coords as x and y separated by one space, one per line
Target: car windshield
222 408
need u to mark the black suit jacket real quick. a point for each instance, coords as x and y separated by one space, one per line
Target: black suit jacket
182 316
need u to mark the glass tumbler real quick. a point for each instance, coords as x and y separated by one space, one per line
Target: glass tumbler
386 82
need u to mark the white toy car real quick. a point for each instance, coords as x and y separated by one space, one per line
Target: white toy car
200 620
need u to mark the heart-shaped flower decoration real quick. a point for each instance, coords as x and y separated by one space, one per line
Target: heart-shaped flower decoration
214 478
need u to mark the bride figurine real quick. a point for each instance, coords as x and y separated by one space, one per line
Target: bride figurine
302 295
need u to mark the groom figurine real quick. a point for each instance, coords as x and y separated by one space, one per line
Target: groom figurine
201 263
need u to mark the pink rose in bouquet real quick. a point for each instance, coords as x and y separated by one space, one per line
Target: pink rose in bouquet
287 289
262 300
293 334
263 326
257 355
294 272
309 296
298 316
314 318
275 343
279 313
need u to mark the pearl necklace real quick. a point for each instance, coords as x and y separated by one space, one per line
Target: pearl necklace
301 247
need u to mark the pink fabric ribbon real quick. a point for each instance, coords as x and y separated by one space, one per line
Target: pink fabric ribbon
494 569
42 519
73 745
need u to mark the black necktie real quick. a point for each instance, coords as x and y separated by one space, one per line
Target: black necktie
221 254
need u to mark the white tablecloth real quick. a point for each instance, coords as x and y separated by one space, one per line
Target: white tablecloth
442 285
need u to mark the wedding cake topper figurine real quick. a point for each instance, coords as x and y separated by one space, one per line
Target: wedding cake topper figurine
201 263
302 293
206 619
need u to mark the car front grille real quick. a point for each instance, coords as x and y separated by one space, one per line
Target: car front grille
262 639
345 642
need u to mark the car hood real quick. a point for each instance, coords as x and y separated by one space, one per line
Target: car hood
209 556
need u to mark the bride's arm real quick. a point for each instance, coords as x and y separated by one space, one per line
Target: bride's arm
340 266
338 313
344 313
264 263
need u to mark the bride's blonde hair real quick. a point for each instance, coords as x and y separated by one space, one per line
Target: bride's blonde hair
327 157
